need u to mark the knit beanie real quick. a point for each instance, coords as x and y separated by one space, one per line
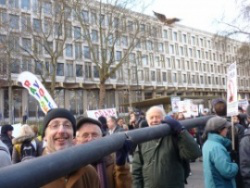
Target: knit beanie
58 113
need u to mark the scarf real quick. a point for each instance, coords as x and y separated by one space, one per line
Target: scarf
101 171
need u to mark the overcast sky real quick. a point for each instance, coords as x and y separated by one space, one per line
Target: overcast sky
199 14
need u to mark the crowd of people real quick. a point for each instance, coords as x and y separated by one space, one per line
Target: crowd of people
159 163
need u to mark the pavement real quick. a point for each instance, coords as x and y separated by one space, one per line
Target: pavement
196 180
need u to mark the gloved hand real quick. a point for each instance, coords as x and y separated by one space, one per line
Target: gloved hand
122 154
175 126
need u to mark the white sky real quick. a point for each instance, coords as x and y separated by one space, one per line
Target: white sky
199 14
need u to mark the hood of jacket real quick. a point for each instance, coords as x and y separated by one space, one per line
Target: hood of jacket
22 138
218 138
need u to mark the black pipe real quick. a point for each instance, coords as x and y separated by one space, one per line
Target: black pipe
42 170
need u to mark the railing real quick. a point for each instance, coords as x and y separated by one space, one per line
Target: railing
42 170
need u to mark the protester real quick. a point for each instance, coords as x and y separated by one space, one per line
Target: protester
245 155
5 159
132 121
158 163
6 137
219 107
104 127
59 129
120 121
26 145
112 126
219 170
113 173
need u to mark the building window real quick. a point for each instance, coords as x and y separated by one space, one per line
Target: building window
124 41
164 76
68 30
88 70
78 50
26 44
149 45
184 78
174 77
77 33
25 4
145 60
2 2
69 50
93 18
112 76
79 72
96 72
86 52
69 69
165 34
60 69
37 25
118 55
85 16
171 49
58 29
130 26
94 36
38 67
13 3
152 75
175 36
15 66
14 21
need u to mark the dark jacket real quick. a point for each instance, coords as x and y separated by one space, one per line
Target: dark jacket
4 155
117 130
245 158
5 138
157 163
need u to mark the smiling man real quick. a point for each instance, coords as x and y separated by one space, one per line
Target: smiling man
59 129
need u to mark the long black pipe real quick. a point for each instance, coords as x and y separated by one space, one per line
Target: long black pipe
42 170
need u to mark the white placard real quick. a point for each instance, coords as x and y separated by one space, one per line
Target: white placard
174 103
95 114
232 98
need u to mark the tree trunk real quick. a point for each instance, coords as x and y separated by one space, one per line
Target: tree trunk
102 93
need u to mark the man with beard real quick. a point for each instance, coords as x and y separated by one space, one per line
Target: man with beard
59 129
113 173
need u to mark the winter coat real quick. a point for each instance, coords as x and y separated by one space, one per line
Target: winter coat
17 142
157 162
219 170
85 177
117 176
245 158
117 130
4 155
8 142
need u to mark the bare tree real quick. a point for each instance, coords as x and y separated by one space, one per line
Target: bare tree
111 32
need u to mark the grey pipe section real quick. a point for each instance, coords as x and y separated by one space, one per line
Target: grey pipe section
42 170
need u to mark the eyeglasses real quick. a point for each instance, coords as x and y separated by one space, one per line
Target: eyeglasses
56 126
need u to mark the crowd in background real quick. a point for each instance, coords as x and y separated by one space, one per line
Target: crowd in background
223 165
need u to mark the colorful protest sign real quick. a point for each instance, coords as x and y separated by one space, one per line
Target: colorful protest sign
232 99
37 90
102 112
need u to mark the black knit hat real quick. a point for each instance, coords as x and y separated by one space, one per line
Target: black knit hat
58 113
87 120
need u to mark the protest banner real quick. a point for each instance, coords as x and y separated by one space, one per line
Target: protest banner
37 90
95 114
232 99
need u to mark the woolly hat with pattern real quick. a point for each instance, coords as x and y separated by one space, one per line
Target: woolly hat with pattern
58 113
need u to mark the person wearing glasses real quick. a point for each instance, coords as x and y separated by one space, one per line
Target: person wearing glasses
59 129
113 171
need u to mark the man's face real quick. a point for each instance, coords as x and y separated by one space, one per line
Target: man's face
110 123
87 133
59 134
154 117
120 122
10 133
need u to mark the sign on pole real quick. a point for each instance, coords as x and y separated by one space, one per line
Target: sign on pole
37 90
232 98
174 103
95 114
